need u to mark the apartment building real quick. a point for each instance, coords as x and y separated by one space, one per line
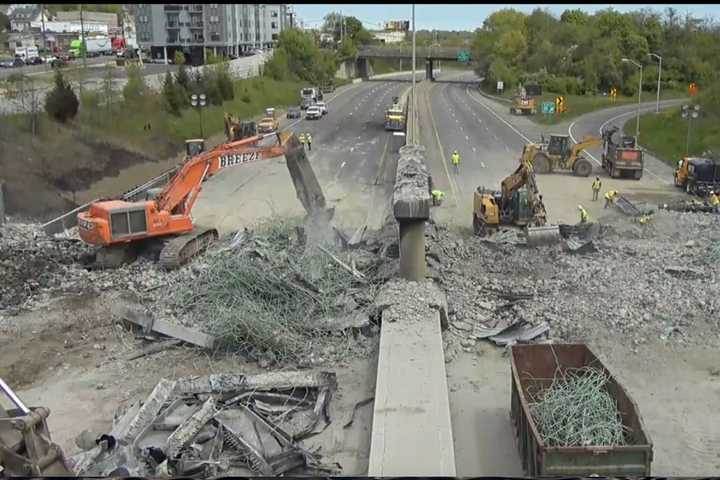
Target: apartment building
194 29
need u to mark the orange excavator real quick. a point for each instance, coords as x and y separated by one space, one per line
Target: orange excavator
122 228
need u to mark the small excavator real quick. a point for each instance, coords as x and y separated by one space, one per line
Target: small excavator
163 224
518 203
559 154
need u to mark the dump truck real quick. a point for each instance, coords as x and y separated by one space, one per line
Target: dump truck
395 116
533 368
621 157
698 175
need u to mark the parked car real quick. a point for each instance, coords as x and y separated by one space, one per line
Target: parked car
294 112
323 107
34 61
313 113
6 62
18 62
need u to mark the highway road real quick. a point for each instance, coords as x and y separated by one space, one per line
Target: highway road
490 141
350 152
453 115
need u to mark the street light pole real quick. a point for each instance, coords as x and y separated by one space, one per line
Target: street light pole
414 101
657 102
198 101
637 115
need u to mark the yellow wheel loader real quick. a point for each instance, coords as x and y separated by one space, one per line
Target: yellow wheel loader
560 154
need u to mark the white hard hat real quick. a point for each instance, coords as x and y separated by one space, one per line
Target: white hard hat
580 207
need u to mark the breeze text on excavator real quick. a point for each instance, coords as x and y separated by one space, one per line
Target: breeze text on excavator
164 223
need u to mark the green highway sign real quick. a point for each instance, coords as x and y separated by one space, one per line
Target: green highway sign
548 107
463 56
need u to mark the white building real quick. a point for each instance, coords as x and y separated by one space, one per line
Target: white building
71 27
390 37
227 29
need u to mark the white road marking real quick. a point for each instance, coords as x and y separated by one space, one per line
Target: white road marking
467 90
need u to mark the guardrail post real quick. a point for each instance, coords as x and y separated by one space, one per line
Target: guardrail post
411 207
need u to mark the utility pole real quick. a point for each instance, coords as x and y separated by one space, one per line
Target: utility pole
83 48
414 99
657 102
42 20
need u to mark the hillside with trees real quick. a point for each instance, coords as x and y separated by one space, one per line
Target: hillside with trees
580 53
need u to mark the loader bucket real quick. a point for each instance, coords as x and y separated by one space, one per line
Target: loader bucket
545 235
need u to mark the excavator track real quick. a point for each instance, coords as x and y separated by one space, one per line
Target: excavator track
180 249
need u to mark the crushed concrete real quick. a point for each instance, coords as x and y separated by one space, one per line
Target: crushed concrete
658 281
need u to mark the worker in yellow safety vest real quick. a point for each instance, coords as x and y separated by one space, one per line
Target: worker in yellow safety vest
302 139
309 141
596 186
610 197
437 196
455 160
714 201
584 217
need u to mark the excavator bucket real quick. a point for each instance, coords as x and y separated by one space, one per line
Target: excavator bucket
545 235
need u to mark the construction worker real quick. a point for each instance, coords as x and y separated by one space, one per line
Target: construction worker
437 196
714 202
302 139
583 214
596 185
610 196
644 219
455 159
309 141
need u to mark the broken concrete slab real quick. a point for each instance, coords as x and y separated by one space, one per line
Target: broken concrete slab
412 430
138 316
411 194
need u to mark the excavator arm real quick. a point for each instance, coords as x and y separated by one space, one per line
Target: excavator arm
576 149
180 194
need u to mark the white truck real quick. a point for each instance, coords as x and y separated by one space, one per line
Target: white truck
98 46
310 95
27 54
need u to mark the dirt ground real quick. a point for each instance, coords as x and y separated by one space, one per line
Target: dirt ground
69 357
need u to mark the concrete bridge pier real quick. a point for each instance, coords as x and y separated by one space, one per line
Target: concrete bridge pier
364 68
429 69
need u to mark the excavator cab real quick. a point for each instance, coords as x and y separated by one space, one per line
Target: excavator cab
559 145
194 147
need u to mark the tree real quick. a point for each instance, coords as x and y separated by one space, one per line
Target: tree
61 103
107 87
23 91
179 58
170 95
183 79
135 89
224 81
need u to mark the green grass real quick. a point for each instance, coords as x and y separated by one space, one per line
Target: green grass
577 105
665 134
125 121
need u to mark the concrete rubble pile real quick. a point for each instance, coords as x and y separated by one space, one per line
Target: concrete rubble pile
659 280
229 424
36 269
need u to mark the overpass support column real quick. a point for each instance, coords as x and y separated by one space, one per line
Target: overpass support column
429 69
411 207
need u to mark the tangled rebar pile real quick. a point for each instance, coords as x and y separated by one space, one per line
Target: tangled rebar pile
273 296
578 411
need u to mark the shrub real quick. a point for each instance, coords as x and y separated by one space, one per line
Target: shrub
61 103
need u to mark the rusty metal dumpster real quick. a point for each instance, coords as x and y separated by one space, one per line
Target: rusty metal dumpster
533 369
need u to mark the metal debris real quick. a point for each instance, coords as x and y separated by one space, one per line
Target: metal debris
204 426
